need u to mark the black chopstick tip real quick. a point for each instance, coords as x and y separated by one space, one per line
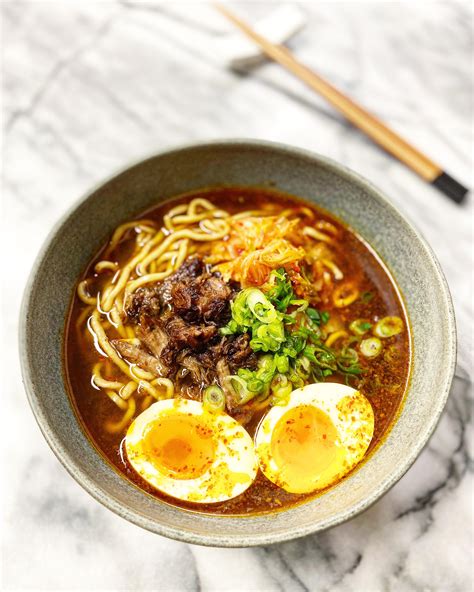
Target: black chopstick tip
450 187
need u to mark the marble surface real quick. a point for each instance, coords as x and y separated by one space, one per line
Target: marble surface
90 87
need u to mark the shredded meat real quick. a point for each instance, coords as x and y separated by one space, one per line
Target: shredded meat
183 334
139 356
155 339
234 349
239 353
203 298
144 305
177 322
192 373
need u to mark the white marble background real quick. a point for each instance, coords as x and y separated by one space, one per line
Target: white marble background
91 86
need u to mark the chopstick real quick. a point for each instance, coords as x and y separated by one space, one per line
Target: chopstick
418 162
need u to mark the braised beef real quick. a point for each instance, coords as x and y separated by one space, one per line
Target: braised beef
139 356
234 348
192 268
193 371
205 298
239 353
192 292
144 305
155 339
177 321
183 334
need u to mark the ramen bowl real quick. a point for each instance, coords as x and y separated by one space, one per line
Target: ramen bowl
85 228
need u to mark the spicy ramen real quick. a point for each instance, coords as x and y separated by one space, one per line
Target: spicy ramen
236 350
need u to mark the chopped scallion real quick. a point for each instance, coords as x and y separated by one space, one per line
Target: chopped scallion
360 326
370 347
388 327
213 398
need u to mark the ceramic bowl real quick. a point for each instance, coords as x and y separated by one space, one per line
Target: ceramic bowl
87 226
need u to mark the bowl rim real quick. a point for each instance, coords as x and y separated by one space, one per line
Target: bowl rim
132 515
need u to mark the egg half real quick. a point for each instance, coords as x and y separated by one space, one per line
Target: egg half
316 439
191 454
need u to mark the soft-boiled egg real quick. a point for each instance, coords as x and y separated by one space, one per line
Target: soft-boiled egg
316 438
189 453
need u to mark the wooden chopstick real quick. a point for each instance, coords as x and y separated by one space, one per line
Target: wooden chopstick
357 115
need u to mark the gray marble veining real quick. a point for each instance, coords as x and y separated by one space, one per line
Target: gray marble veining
91 86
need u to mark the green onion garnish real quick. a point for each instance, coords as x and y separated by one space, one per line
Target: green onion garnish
213 398
371 347
388 327
360 326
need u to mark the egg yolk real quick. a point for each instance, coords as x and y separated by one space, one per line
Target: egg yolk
179 446
303 445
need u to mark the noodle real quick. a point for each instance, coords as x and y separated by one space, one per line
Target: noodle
83 294
200 202
143 225
211 233
85 314
157 254
127 391
316 234
337 273
110 351
105 265
99 381
116 399
113 427
113 291
146 402
199 316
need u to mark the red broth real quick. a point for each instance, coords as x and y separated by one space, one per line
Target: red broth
384 381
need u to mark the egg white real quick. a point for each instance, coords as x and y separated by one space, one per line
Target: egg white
352 417
234 465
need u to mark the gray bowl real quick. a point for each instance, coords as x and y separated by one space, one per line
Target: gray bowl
87 226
